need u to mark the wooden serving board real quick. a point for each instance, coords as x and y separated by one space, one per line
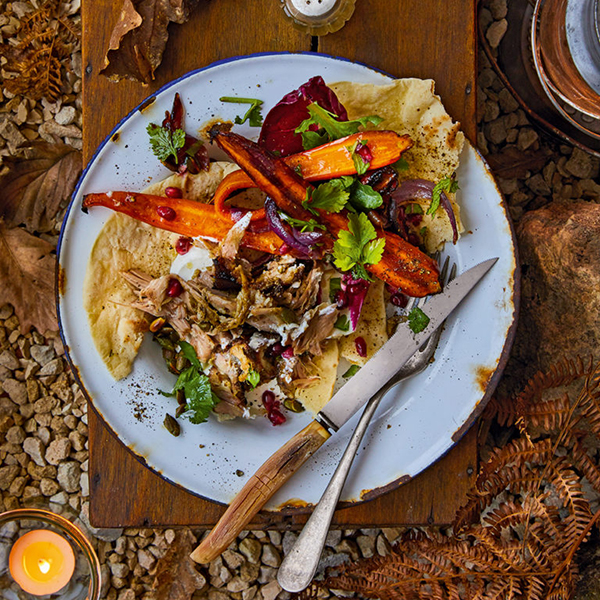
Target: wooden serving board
408 38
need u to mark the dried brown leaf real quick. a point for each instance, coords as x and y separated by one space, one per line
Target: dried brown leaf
139 38
38 184
27 268
512 163
176 577
35 65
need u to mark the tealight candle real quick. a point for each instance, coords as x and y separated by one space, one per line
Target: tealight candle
41 562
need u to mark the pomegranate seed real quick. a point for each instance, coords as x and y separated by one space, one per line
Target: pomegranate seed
340 299
361 346
276 349
174 288
399 299
166 212
173 192
288 352
183 245
276 417
268 399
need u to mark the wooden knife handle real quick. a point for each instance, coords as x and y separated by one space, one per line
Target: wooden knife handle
261 486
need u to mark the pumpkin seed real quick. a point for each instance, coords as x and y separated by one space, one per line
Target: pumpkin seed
171 425
293 405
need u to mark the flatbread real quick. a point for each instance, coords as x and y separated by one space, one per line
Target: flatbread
315 397
124 244
410 106
371 327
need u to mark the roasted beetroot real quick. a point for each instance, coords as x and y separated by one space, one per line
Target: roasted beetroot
278 130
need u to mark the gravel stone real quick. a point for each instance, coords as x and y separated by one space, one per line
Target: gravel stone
270 556
9 360
271 590
54 367
58 450
496 32
7 476
251 549
42 354
66 115
16 390
49 487
68 476
34 447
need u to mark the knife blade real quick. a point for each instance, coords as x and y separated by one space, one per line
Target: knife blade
398 349
344 404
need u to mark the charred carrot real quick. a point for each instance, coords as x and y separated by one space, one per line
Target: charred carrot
323 162
335 158
182 216
402 266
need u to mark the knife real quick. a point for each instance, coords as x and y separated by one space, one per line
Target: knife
345 403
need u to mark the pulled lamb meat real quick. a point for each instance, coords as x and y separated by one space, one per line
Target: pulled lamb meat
240 318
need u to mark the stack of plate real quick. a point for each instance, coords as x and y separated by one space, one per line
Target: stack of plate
565 43
549 59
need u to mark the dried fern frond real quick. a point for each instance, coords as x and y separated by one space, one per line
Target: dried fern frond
525 517
36 63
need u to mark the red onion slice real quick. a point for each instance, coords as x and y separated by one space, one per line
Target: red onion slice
411 189
356 292
301 242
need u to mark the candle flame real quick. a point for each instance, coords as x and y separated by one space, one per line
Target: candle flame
44 565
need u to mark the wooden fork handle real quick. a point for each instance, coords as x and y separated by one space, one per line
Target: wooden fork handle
260 487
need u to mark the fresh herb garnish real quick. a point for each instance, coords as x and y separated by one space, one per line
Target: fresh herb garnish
335 286
331 196
353 370
196 387
342 323
400 165
417 320
253 114
253 378
360 163
165 142
358 247
309 225
448 184
363 196
330 128
413 209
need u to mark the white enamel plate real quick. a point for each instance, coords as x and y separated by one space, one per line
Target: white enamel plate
418 421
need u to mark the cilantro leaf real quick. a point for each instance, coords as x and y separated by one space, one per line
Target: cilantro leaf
331 196
188 351
363 196
417 320
253 378
165 142
253 114
196 387
333 129
447 184
342 323
358 247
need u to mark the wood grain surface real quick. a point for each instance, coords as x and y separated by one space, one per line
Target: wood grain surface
412 38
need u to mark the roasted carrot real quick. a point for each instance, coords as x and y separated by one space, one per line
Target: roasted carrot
403 266
182 216
323 162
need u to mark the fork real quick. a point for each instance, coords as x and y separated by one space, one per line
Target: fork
299 566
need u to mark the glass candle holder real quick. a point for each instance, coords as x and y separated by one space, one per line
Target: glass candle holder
318 17
44 555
